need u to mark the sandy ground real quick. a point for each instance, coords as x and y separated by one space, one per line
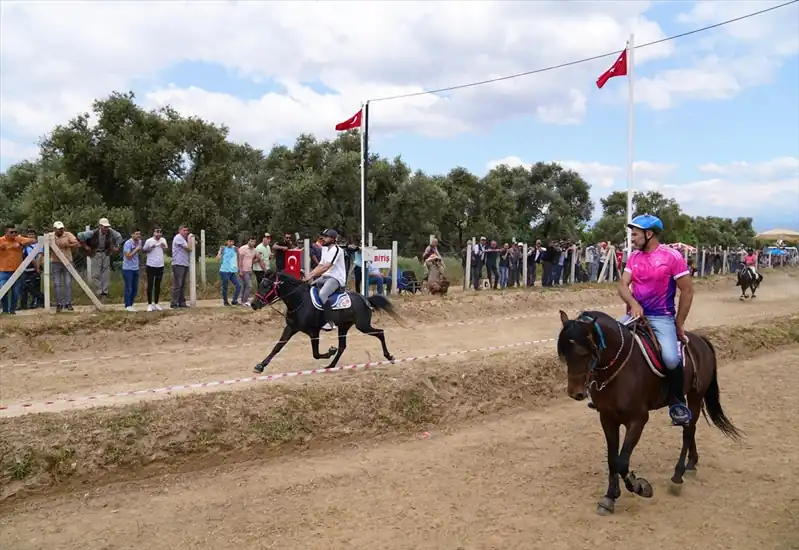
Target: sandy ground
96 370
519 481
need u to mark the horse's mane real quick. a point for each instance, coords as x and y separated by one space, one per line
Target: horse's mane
575 332
289 278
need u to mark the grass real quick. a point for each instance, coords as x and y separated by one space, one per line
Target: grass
45 451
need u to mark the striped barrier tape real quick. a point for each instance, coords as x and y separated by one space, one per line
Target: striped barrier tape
271 377
204 349
293 374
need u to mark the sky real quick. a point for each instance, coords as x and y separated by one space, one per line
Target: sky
716 114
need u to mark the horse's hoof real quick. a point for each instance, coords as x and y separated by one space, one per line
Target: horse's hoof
675 489
605 507
643 488
259 369
389 357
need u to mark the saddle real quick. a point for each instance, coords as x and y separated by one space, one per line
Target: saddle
338 300
648 342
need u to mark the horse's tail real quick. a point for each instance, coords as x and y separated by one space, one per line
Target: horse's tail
381 303
712 404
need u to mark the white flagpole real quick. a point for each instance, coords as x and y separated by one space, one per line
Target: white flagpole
630 112
364 274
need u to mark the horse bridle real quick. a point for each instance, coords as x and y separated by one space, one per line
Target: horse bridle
596 354
272 296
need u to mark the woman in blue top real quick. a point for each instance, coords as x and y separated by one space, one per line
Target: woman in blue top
228 257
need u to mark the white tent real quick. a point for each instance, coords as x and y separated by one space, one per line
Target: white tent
777 234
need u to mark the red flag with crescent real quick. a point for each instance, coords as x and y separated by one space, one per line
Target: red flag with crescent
294 262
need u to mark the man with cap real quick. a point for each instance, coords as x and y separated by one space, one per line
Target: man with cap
331 270
66 242
100 244
11 247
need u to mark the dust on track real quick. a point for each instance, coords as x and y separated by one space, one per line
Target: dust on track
523 480
224 351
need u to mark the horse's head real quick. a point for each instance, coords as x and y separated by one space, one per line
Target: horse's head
277 285
580 345
267 290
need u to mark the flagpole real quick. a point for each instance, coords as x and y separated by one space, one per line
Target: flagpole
364 153
630 126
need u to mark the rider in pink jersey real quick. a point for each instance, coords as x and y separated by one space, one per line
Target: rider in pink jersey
654 279
649 286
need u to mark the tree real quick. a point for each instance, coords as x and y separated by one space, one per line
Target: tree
146 168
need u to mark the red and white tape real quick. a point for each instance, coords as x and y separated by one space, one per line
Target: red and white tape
204 349
292 374
270 377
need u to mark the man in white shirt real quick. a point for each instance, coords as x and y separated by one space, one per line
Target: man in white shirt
154 249
332 271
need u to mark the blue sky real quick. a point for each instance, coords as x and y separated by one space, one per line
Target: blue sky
716 116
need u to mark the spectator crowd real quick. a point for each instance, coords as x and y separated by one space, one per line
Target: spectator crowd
493 266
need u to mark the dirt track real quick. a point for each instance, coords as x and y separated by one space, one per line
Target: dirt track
217 348
526 480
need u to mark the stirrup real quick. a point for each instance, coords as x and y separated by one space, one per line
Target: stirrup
680 414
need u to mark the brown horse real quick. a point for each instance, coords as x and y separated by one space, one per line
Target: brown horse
620 366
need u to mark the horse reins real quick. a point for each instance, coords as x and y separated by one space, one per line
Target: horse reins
273 296
594 367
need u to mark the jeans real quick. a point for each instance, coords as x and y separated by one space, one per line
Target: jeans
665 328
130 278
226 277
62 283
377 280
31 288
12 296
503 276
246 279
328 285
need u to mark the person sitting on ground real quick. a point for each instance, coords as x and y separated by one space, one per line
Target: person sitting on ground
437 282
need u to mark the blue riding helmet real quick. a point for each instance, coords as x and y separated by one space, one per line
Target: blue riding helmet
647 222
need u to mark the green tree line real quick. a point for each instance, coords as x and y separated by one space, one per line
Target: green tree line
145 168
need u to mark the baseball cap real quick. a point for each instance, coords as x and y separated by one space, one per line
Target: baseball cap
58 225
267 234
104 222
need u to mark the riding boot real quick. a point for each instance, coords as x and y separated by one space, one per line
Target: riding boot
679 411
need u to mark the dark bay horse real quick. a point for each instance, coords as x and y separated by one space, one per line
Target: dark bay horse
748 279
303 316
604 356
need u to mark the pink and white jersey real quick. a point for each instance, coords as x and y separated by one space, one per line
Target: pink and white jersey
654 279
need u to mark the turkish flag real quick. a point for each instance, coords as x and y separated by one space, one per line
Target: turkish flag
293 262
619 68
353 122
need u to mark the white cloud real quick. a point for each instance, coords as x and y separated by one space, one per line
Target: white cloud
13 151
778 167
724 61
604 176
745 188
57 57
